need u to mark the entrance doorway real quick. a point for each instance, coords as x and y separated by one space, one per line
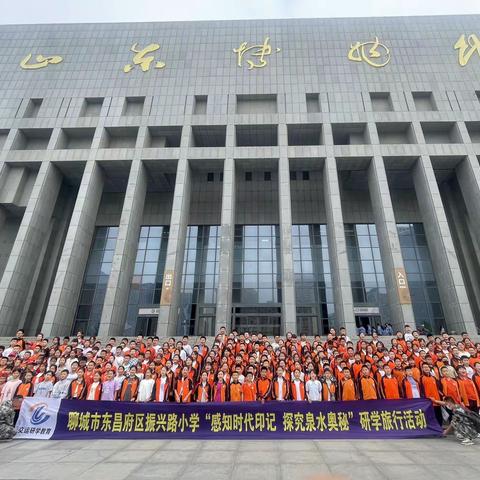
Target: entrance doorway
146 326
367 321
267 320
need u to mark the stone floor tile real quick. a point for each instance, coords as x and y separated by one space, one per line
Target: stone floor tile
208 455
165 471
212 471
304 472
131 456
247 471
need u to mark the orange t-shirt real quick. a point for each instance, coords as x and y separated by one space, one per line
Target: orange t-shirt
367 388
348 390
249 392
235 392
390 388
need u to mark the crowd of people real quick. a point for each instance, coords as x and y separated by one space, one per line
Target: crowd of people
245 367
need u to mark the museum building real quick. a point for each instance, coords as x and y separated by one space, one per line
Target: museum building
263 175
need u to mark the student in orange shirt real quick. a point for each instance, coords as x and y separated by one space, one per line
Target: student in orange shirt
249 388
468 390
281 388
476 376
410 386
203 390
389 385
367 387
297 387
348 392
450 386
184 388
264 386
235 389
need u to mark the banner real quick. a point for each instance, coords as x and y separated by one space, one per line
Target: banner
250 420
37 418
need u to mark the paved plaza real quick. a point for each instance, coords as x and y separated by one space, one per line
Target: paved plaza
427 459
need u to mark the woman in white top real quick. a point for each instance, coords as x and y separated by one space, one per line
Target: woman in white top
94 390
145 388
313 388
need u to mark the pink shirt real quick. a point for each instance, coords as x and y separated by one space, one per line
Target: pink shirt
9 390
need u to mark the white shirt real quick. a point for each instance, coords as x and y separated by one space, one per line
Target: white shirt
297 384
415 392
280 388
314 388
93 388
163 381
145 390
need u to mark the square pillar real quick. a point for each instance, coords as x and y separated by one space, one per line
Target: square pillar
458 314
337 249
289 309
63 301
172 277
468 176
118 288
398 295
25 253
225 279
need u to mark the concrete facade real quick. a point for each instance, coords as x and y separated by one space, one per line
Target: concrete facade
309 138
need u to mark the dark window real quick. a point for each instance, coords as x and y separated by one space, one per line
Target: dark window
248 176
267 176
293 175
306 175
210 177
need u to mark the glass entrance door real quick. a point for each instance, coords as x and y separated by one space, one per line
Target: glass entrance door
146 326
269 324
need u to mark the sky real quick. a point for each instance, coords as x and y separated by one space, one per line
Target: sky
69 11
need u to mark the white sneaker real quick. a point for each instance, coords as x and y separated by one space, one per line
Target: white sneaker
467 442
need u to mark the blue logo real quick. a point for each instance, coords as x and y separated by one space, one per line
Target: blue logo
39 416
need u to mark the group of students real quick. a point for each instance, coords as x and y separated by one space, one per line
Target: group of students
243 367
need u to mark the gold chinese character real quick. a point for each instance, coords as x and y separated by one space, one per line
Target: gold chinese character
288 422
216 422
150 420
42 61
73 420
128 420
227 422
462 45
259 51
310 422
106 422
95 421
271 419
84 421
140 59
365 423
378 55
260 421
139 422
194 422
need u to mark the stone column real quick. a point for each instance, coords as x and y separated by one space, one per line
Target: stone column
458 314
172 278
468 176
118 288
24 256
337 249
289 309
63 301
225 279
389 243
